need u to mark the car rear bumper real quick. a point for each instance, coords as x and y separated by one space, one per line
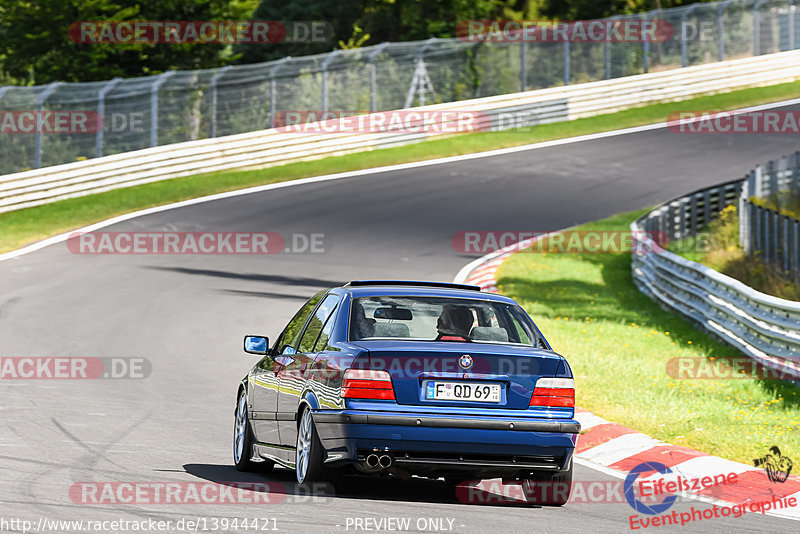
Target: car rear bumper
433 440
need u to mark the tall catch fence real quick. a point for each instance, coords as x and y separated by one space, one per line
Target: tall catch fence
181 106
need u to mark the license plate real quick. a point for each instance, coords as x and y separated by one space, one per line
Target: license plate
462 391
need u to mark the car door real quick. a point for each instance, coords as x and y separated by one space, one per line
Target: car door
294 370
265 377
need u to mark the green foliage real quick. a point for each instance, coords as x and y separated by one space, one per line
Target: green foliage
35 45
786 203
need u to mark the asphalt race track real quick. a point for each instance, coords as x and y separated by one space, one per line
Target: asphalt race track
187 315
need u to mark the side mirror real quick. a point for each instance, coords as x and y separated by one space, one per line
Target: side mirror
256 345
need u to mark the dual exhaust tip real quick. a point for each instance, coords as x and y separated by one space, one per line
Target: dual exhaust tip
384 461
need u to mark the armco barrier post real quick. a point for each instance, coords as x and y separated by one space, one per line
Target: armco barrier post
39 107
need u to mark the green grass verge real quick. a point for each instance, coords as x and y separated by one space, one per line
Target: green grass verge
618 342
25 226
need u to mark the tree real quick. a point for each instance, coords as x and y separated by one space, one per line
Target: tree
35 43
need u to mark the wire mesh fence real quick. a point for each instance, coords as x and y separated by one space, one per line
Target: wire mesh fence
180 106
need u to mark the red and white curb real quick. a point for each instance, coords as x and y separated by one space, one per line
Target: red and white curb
482 272
615 449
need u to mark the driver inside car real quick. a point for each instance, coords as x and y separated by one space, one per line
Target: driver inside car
454 323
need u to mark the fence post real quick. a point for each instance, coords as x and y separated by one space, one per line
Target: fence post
757 28
607 52
523 64
791 25
567 66
758 179
785 244
101 113
159 81
273 89
772 173
686 13
373 78
744 217
682 219
794 181
331 56
213 87
795 243
671 221
776 236
39 107
766 238
721 29
754 228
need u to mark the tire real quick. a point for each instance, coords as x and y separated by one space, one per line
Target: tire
243 440
549 489
310 456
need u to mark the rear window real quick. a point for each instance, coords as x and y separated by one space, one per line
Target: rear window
439 319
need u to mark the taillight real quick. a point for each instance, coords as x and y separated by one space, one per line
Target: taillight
554 392
367 384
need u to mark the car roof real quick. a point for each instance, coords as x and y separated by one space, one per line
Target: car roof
377 288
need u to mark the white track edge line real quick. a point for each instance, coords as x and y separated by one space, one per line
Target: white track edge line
362 172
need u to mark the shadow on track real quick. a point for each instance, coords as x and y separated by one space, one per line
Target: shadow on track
282 481
256 277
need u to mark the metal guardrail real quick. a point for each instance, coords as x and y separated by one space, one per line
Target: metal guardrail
763 327
772 236
180 106
267 148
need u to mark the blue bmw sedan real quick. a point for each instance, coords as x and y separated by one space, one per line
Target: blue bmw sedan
404 378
